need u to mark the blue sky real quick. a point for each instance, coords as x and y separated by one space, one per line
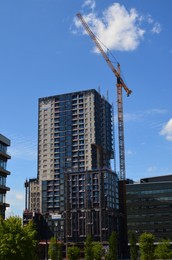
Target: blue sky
44 52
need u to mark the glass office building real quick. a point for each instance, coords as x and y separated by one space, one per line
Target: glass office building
4 157
149 206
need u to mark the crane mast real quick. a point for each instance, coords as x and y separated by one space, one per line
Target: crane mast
120 84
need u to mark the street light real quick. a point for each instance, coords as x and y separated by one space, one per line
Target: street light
46 234
56 218
56 239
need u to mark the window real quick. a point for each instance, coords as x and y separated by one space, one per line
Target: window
2 180
3 148
3 164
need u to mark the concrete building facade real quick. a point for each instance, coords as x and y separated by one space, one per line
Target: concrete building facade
32 195
75 148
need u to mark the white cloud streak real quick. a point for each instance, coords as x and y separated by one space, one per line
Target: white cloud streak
152 169
142 114
129 152
167 130
23 148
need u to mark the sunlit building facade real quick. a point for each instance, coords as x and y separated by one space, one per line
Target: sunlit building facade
75 148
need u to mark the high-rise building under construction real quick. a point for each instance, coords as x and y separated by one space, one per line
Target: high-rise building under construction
75 147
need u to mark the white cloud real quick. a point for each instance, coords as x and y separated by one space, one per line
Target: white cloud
150 19
20 197
118 28
129 152
152 169
16 200
167 130
90 3
156 28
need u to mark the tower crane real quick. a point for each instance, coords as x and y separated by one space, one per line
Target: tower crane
120 84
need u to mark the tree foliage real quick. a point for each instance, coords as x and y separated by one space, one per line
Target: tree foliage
146 244
133 246
55 250
52 250
17 241
73 253
163 251
113 247
97 250
88 249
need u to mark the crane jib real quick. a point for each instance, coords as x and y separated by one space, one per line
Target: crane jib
120 84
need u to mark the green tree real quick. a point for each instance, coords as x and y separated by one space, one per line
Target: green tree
113 247
73 253
133 246
59 250
146 244
163 251
88 249
97 250
55 249
52 250
17 241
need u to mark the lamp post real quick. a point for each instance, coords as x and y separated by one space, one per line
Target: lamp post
56 239
46 238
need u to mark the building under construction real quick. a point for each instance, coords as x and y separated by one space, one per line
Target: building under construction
77 187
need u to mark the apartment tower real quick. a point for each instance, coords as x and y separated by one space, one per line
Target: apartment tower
75 148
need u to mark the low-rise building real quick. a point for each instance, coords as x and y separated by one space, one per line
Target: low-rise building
149 206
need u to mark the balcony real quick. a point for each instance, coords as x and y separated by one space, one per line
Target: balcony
3 189
4 155
2 170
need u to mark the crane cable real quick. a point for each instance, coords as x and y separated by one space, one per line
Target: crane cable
108 51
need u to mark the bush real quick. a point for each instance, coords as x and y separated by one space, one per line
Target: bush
73 253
